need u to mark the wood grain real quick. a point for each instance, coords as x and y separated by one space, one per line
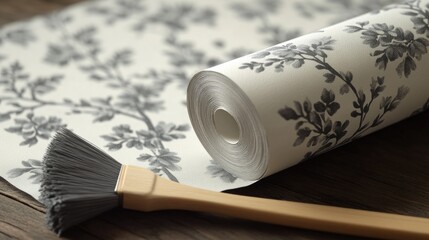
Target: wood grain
13 10
22 217
387 171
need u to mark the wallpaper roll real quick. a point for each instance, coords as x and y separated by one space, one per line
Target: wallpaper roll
264 112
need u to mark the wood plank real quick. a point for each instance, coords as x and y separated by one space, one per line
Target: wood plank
22 217
13 10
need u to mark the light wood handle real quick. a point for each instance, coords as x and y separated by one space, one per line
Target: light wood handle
159 194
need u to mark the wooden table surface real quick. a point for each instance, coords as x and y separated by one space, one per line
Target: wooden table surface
387 171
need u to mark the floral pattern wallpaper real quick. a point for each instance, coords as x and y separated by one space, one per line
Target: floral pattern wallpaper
392 49
116 73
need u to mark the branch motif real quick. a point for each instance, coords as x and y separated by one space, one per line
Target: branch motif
315 122
181 55
392 43
135 100
30 167
418 14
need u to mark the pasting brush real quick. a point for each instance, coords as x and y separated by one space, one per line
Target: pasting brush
80 181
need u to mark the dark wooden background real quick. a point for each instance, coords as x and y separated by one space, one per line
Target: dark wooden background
387 171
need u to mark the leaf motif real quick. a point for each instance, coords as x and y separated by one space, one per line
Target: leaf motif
320 107
97 77
348 76
261 54
313 141
130 144
259 69
333 108
123 128
299 124
36 177
315 119
216 171
307 106
352 29
104 116
423 41
410 13
320 67
85 103
328 126
344 89
340 129
385 101
29 141
288 113
354 114
144 157
302 133
109 138
382 61
114 146
177 136
327 96
183 127
25 164
16 172
45 136
298 141
20 36
329 77
402 92
298 108
4 117
298 63
409 65
35 163
361 97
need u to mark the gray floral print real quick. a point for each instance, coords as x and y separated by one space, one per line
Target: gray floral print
20 36
315 123
31 167
217 171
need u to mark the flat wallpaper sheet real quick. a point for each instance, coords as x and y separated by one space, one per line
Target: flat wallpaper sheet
116 72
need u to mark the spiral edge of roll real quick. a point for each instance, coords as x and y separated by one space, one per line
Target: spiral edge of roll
209 91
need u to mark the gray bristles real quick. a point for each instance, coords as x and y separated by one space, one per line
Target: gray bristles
78 181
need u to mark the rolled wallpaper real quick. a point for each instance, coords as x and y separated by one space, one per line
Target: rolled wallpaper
116 73
264 112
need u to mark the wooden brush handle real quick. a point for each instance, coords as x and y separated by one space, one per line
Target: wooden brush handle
144 191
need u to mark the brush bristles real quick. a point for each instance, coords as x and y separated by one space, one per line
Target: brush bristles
78 181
